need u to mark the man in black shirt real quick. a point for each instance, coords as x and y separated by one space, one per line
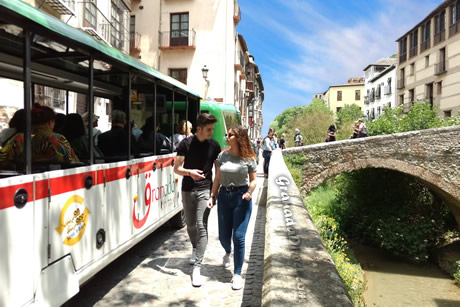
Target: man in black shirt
196 156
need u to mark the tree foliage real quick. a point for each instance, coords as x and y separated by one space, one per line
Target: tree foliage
312 120
349 113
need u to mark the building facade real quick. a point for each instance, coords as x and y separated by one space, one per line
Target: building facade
429 61
338 96
379 87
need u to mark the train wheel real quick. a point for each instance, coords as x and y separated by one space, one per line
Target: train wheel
178 221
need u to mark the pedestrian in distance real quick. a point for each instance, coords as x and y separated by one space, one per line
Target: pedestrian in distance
267 150
298 138
282 141
331 133
196 156
233 186
362 129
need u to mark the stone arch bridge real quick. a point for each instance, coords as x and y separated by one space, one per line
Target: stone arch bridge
432 156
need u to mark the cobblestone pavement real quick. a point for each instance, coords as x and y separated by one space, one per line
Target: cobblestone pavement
156 272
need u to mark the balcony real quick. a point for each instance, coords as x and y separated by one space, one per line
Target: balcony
413 52
96 24
387 90
377 93
440 68
401 84
403 57
236 13
425 45
455 28
366 100
170 40
440 37
63 7
135 43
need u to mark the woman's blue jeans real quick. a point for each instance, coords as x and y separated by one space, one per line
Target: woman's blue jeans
267 154
233 214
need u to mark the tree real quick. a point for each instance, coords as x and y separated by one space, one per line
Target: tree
348 113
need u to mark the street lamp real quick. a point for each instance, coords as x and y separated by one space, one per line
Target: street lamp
205 70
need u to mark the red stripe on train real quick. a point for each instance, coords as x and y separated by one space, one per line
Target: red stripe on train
64 184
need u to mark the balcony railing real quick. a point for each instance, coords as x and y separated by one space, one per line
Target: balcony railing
441 36
104 29
63 7
425 45
387 90
440 68
177 39
402 57
135 42
455 28
413 52
236 13
401 84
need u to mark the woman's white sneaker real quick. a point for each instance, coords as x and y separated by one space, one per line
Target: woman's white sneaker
237 282
226 261
193 257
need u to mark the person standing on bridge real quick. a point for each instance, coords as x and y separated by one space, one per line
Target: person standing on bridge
298 138
234 184
196 155
267 150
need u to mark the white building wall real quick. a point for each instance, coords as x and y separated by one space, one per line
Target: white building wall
384 100
215 46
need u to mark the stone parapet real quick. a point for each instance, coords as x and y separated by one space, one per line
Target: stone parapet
298 271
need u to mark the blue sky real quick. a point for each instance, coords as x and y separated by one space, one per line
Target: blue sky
303 46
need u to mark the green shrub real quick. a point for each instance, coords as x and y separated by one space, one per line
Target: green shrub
457 272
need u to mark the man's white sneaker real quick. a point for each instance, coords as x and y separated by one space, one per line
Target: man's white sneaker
226 261
197 281
237 282
193 257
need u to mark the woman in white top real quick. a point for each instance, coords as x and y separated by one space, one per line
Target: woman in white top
184 129
267 150
234 183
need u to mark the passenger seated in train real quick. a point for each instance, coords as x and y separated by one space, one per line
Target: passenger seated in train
47 146
145 141
59 123
15 125
184 129
75 132
114 143
96 131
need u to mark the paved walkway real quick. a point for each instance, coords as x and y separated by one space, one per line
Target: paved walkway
156 271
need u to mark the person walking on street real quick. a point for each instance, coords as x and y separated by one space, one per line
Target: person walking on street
298 138
267 150
233 186
196 156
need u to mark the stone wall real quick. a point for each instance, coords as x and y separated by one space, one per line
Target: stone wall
298 271
432 156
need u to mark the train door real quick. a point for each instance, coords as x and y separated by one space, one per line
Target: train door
75 215
17 266
119 199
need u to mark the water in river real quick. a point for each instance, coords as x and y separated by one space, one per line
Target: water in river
393 282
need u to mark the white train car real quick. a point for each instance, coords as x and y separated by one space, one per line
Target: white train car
61 224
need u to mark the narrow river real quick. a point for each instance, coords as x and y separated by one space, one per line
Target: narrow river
393 282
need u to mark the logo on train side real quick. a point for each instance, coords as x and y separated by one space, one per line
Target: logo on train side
73 220
151 195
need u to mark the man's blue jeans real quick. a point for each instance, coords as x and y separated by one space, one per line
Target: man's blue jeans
233 214
267 155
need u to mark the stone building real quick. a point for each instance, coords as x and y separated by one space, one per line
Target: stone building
429 61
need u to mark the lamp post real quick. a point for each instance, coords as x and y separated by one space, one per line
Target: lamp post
204 71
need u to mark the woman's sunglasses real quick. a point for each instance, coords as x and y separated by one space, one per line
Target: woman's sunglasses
229 135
